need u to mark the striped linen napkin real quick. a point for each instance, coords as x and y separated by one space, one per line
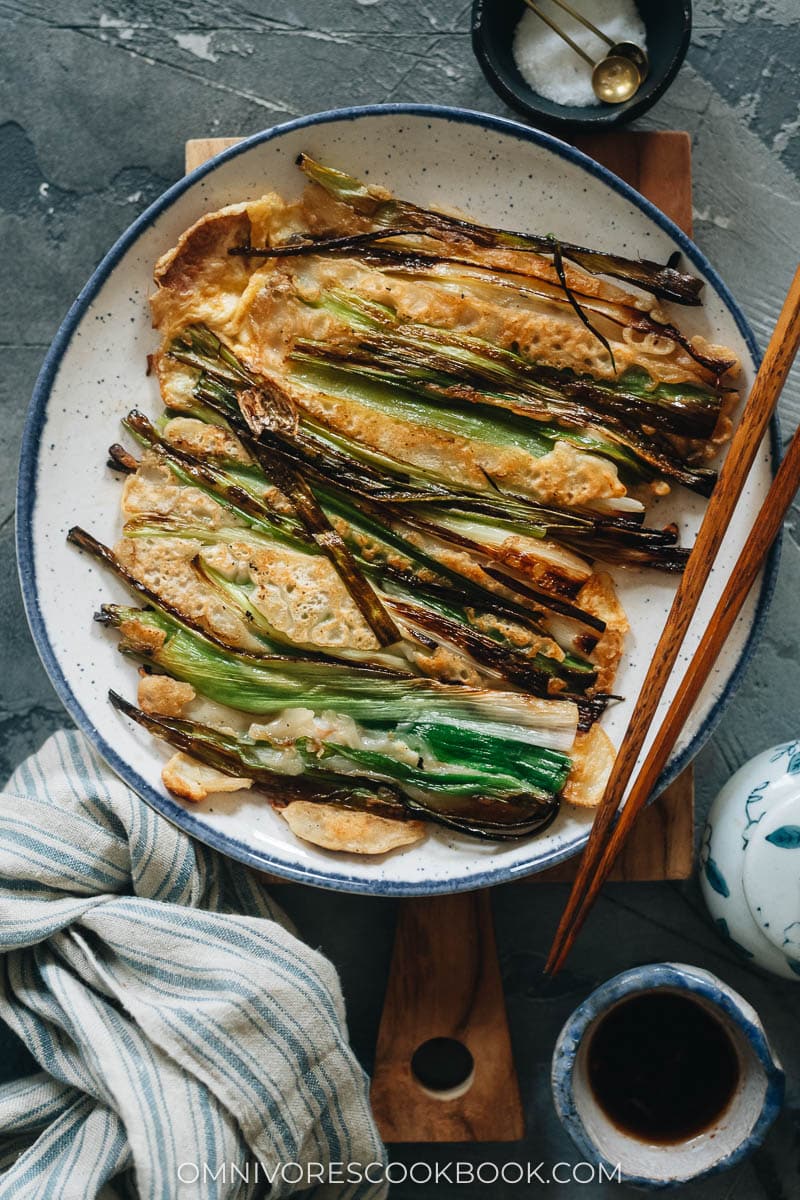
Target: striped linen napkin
190 1044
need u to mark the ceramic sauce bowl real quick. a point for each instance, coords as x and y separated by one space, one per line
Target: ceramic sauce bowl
740 1127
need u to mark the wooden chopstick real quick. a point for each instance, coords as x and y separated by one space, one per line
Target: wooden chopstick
603 846
763 534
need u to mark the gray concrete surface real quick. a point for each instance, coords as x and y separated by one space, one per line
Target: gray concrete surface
96 101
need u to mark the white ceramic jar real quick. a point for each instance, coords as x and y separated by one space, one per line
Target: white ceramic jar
750 860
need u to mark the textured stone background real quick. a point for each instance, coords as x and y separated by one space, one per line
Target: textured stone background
96 101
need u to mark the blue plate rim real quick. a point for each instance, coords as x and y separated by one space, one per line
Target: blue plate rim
26 500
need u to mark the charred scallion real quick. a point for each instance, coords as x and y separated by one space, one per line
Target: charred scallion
499 814
662 280
306 446
373 698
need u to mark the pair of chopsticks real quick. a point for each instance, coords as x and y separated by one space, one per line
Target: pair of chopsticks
607 838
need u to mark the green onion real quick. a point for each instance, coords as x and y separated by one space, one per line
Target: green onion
460 275
243 682
399 216
458 368
304 446
496 816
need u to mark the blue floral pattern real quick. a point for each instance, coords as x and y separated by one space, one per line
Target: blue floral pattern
714 876
790 750
785 836
754 808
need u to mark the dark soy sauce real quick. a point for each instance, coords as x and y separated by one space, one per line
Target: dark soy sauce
662 1067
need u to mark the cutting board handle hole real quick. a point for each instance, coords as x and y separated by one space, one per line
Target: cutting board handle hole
443 1068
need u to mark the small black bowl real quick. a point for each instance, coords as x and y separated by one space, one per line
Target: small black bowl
669 27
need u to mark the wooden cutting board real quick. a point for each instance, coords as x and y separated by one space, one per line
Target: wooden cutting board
444 980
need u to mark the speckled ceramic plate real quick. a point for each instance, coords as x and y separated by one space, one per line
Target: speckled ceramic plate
501 173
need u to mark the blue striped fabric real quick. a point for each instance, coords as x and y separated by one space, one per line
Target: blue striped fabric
190 1044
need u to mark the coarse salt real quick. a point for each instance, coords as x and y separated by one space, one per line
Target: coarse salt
554 69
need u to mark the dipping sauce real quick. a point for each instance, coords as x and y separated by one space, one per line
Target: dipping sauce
662 1067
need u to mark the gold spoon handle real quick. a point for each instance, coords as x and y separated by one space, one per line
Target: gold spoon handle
555 28
584 21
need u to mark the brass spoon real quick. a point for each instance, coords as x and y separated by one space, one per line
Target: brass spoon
624 49
615 78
